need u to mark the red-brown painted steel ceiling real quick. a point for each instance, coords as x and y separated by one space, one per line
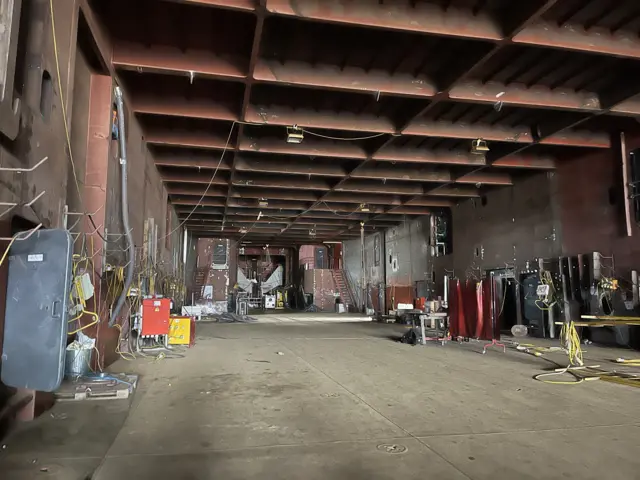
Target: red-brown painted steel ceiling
414 82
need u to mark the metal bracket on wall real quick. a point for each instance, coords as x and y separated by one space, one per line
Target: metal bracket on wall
12 205
9 106
20 236
24 170
66 214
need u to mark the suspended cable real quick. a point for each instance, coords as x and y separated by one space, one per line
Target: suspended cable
335 212
206 190
343 138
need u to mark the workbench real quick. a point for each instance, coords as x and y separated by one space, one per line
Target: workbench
422 316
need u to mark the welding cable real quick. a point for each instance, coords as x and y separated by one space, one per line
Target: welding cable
77 283
123 355
547 279
536 350
543 377
96 319
571 341
592 373
632 362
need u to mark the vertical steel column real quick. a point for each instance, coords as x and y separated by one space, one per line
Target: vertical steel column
364 272
625 185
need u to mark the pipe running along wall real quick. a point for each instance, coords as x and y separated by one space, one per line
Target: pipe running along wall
125 209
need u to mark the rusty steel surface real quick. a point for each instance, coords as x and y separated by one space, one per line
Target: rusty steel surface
390 96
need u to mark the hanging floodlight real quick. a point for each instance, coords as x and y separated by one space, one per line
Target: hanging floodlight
263 202
243 230
479 147
294 134
364 207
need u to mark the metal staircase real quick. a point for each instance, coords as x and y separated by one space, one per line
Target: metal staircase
199 281
343 286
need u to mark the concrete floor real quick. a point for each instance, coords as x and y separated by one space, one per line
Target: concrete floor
342 401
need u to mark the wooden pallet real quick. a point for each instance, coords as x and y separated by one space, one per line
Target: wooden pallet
95 388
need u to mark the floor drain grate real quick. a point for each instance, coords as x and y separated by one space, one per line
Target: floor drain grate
392 448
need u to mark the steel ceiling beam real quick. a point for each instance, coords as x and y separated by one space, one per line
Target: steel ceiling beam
525 163
425 202
309 146
349 80
280 214
170 137
501 43
535 96
196 191
430 18
424 156
285 165
278 208
284 116
624 44
184 177
203 108
470 92
132 56
247 5
277 194
206 202
171 61
192 162
343 151
321 224
252 203
486 178
372 186
408 173
415 20
300 183
454 81
503 133
246 100
462 23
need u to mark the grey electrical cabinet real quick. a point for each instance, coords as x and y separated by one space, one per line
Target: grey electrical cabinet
35 325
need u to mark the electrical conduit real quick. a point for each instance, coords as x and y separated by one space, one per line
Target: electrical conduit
125 209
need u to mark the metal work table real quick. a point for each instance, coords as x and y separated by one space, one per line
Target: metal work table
437 316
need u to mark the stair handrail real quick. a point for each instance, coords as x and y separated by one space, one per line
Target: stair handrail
353 292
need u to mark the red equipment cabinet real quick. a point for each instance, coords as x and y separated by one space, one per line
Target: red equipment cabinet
155 316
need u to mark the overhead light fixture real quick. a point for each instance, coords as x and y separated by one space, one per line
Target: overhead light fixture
243 230
479 147
294 134
364 207
331 242
260 215
312 233
263 202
